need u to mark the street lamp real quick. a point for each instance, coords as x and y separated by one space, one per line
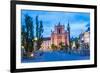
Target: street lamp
35 38
35 43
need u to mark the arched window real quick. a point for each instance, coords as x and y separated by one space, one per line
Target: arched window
59 31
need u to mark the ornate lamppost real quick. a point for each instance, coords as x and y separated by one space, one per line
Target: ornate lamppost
35 43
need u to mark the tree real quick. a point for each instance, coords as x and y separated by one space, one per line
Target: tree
23 40
54 47
66 47
77 43
40 36
39 31
23 35
37 26
29 33
61 44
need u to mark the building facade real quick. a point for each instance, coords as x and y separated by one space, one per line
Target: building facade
59 35
85 39
46 45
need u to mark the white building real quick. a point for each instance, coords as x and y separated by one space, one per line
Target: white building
85 39
46 45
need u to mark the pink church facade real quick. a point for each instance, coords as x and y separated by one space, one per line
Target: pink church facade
59 35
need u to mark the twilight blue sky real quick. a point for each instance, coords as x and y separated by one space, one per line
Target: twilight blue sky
78 21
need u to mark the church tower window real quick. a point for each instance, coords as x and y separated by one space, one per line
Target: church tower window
59 31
